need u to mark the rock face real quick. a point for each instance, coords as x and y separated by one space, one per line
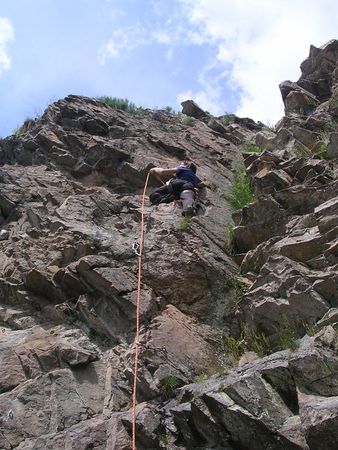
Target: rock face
191 109
310 121
70 199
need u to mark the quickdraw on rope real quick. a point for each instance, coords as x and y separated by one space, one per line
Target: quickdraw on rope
138 248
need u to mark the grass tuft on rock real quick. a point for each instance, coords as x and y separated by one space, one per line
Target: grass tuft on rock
187 120
229 242
18 131
120 103
183 224
288 334
249 340
169 384
252 148
240 193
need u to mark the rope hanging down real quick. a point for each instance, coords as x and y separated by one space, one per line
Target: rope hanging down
138 303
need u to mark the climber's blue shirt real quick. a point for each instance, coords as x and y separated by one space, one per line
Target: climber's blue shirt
186 174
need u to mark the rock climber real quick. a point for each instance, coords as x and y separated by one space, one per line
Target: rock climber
182 187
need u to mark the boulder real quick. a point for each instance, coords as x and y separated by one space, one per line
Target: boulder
147 426
283 296
299 102
306 137
259 221
191 109
312 364
319 420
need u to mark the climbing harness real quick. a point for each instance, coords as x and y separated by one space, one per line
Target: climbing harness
138 248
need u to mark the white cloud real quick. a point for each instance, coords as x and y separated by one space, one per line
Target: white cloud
263 42
161 36
169 29
6 36
170 54
209 97
123 40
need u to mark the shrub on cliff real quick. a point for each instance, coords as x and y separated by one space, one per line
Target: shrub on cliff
120 103
240 192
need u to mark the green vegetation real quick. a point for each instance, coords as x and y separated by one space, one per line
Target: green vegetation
256 342
209 372
233 347
183 224
169 384
120 103
240 290
310 328
251 148
286 337
18 131
170 110
212 186
249 340
227 118
229 243
187 120
240 192
321 150
163 439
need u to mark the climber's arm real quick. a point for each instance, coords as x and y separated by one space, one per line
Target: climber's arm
158 171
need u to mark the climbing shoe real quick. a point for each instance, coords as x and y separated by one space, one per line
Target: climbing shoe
189 212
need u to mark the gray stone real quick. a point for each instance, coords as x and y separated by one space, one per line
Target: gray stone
190 108
319 419
283 292
4 235
306 137
312 365
259 221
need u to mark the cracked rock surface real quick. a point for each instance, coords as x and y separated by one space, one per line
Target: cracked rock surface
71 185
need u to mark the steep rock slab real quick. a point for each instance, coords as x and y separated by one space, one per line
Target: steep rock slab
90 433
319 418
176 340
314 367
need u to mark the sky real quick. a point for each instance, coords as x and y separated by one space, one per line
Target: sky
227 55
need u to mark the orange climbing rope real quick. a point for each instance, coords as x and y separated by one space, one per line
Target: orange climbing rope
138 303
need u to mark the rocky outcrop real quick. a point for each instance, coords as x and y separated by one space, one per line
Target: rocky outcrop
191 109
317 80
310 124
70 197
71 186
